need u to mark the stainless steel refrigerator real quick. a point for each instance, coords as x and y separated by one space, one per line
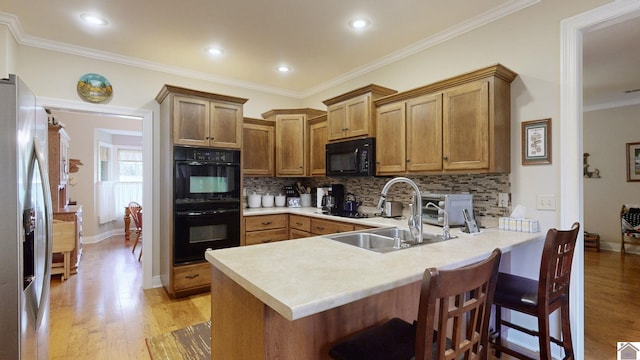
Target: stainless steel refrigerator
25 224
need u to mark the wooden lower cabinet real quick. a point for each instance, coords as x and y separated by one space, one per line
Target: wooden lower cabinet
269 228
265 228
324 227
192 277
299 226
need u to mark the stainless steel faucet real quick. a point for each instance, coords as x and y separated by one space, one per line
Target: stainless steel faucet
415 215
446 235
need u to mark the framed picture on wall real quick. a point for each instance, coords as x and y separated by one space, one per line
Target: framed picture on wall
536 142
633 161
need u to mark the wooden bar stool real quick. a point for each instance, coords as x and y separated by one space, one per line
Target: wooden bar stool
540 298
460 299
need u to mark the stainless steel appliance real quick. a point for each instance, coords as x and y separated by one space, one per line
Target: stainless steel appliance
453 204
206 201
25 225
392 209
333 199
351 158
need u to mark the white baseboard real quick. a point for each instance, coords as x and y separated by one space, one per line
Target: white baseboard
102 236
156 282
615 246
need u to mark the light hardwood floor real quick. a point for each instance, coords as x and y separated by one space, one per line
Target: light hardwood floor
103 313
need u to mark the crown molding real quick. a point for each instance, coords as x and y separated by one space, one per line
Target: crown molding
459 29
14 25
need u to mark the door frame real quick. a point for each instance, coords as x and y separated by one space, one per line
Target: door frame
571 146
149 190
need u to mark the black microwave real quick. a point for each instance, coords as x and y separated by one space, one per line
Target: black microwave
351 158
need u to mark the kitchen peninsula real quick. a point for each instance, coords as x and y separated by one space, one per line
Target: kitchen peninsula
292 299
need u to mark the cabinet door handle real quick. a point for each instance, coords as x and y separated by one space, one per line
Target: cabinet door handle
408 160
192 276
319 228
266 241
298 223
267 222
445 158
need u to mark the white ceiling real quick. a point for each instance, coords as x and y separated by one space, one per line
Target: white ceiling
311 36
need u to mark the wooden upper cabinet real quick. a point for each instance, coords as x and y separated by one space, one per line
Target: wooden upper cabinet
292 143
353 114
456 125
391 139
204 119
225 129
317 145
424 126
258 147
190 121
465 133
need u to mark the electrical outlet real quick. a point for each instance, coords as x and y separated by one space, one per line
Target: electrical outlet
503 199
545 202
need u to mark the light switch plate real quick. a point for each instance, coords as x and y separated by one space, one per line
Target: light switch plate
546 202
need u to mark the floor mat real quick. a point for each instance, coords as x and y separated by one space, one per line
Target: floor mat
190 343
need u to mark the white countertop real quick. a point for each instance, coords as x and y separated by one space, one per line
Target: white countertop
301 277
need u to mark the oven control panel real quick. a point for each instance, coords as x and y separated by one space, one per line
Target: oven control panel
204 154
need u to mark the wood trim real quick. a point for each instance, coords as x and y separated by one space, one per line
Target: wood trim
265 122
171 89
372 88
496 70
309 112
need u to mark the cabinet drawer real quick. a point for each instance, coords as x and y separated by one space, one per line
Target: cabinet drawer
191 276
322 227
298 234
265 222
266 236
300 222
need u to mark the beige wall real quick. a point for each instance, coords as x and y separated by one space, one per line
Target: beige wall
527 42
606 133
8 53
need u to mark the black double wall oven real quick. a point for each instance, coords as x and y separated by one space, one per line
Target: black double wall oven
206 201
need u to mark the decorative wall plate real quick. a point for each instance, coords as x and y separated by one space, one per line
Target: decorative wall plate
94 88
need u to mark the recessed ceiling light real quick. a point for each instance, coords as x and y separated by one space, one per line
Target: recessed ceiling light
94 19
359 23
215 51
284 68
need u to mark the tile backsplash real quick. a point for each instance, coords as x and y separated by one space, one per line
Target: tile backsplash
483 187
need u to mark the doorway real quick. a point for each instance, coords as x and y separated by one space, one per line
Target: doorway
146 116
571 147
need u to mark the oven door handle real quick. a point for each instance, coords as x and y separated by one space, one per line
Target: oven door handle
206 212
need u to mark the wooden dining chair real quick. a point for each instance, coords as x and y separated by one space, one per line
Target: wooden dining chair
630 226
453 320
135 210
540 298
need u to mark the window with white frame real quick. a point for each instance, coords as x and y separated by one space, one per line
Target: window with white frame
104 162
119 180
129 165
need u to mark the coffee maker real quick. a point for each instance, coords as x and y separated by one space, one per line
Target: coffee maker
332 199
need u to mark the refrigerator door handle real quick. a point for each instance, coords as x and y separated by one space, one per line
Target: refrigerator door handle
40 159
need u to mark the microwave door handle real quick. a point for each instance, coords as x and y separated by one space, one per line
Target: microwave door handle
355 160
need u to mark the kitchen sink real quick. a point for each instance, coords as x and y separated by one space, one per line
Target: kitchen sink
384 240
